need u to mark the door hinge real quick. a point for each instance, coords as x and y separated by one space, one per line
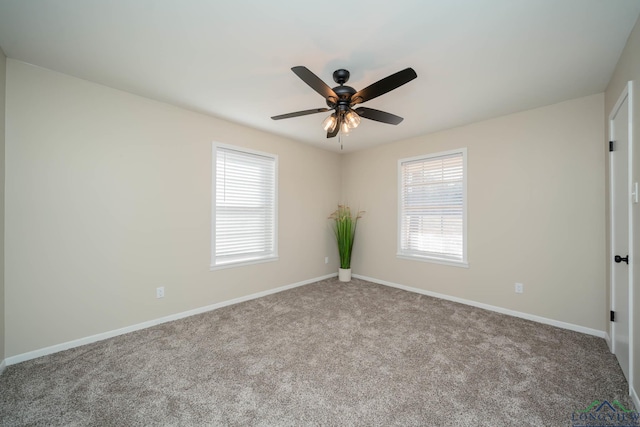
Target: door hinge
611 146
612 316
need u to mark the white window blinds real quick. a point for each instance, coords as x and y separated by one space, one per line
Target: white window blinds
244 211
433 207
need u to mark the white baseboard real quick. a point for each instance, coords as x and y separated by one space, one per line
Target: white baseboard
501 310
607 338
634 398
110 334
3 365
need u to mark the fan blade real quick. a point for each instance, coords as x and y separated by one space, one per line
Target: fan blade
383 86
315 83
378 116
300 113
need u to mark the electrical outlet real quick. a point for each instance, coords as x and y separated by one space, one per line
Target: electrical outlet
326 260
160 292
519 288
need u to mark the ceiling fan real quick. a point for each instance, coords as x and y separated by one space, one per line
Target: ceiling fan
343 98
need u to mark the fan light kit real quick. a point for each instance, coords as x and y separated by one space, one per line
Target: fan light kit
341 100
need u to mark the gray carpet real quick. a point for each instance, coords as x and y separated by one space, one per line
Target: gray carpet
322 354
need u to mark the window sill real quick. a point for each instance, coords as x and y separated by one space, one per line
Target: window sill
233 264
461 264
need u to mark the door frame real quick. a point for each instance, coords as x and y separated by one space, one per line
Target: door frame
627 93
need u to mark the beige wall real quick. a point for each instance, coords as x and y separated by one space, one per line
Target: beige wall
628 68
3 63
108 196
535 212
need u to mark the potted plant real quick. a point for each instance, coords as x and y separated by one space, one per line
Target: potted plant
344 227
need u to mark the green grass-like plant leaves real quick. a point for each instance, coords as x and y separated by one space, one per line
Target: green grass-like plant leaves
344 227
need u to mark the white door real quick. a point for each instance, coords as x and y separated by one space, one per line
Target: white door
620 232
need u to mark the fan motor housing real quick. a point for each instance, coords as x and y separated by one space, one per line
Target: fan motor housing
344 96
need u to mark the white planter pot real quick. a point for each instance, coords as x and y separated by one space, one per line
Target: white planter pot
344 274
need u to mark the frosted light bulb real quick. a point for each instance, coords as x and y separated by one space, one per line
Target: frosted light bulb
329 124
353 119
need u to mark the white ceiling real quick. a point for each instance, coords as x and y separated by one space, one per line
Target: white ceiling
475 59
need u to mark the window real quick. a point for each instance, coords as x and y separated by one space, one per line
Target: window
432 208
244 214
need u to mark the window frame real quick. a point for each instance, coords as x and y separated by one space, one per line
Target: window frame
464 262
241 262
